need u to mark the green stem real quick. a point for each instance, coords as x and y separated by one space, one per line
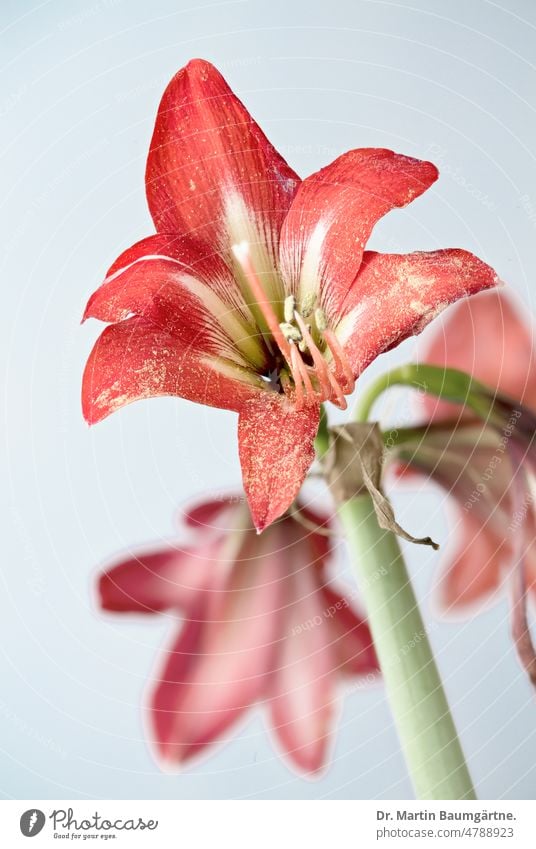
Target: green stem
322 436
449 384
369 397
399 436
420 708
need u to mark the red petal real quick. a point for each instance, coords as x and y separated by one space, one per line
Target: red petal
159 244
220 664
276 450
488 337
155 581
134 360
184 290
206 148
141 273
304 692
334 211
395 295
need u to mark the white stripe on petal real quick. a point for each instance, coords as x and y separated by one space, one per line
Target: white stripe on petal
236 329
244 225
243 335
311 269
235 372
346 326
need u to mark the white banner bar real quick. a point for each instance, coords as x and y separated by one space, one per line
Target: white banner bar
267 824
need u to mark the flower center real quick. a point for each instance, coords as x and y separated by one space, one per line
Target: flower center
303 340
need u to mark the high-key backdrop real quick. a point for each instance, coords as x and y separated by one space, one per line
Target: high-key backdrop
81 81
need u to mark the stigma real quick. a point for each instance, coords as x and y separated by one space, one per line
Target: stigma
315 364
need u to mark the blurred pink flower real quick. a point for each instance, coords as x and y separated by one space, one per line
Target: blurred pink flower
261 621
486 470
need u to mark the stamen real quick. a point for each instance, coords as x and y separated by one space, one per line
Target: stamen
286 382
302 370
320 319
296 359
337 390
341 360
290 338
241 253
307 304
288 308
290 332
303 344
304 374
320 364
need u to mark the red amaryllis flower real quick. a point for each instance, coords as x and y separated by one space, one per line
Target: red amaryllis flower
256 294
478 465
261 622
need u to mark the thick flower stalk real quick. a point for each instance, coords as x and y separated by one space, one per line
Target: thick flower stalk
256 293
426 730
260 622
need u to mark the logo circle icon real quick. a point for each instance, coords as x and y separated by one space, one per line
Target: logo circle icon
32 822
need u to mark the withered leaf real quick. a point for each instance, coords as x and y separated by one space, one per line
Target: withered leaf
353 465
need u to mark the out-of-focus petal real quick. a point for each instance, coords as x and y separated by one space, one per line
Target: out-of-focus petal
488 337
221 662
219 514
471 464
276 450
179 664
303 702
477 560
469 461
135 359
397 295
207 155
352 640
156 581
315 530
527 522
333 213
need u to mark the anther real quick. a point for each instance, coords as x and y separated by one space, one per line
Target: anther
289 307
320 319
290 332
307 304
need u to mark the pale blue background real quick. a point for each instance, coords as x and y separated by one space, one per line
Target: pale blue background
80 86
